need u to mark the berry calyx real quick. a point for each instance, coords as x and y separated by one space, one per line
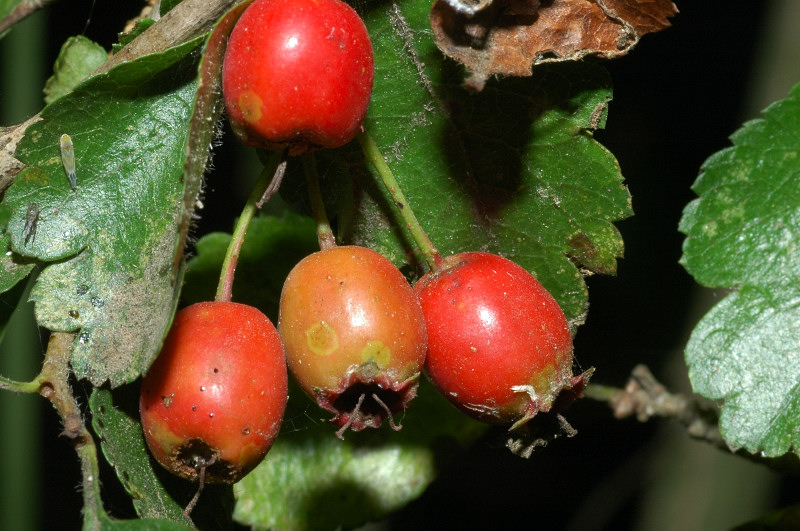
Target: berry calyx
499 346
354 335
213 400
298 74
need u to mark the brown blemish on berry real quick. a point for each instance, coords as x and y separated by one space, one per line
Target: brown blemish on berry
322 339
250 105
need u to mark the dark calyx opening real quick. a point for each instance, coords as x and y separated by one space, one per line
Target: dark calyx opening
196 454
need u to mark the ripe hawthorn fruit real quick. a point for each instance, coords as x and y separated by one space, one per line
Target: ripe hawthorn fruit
298 74
215 396
354 335
499 346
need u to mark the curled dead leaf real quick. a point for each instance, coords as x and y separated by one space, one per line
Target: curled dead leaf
509 37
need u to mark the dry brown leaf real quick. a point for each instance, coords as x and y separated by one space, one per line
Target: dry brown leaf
511 36
9 138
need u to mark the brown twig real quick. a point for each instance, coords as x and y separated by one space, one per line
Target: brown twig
9 138
54 386
646 397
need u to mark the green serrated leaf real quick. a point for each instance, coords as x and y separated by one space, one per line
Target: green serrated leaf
743 232
78 58
311 480
745 352
513 170
272 247
742 228
156 494
115 236
124 448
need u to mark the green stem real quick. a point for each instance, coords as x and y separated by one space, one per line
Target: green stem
324 232
7 384
267 184
603 393
426 246
93 512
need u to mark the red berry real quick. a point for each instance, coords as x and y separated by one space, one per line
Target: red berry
354 334
499 347
298 74
216 394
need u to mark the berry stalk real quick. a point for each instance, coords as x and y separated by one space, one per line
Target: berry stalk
267 185
323 227
373 154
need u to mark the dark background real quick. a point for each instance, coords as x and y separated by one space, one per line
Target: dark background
677 98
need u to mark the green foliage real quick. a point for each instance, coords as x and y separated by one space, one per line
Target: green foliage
113 238
78 58
743 233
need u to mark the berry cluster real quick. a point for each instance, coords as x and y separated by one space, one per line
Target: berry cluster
354 333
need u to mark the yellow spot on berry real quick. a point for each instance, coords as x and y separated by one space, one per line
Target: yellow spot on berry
322 339
378 353
250 104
